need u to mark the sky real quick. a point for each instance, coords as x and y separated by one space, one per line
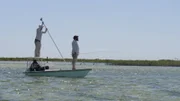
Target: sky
107 29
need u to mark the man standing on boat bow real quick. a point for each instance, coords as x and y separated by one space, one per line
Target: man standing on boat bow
75 51
37 41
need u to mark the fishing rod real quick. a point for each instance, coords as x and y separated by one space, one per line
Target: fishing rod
52 39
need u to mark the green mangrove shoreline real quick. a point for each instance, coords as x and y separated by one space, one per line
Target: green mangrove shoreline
106 61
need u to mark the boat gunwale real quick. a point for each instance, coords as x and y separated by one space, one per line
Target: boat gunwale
58 71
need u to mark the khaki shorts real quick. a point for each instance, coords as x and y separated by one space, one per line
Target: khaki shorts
74 58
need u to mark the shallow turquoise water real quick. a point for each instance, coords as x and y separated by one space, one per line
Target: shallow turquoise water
103 83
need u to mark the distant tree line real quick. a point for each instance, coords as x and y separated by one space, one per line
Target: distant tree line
106 61
144 62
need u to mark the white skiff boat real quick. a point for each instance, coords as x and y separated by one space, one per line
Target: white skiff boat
58 73
78 73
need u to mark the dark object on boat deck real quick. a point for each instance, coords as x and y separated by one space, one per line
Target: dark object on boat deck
36 67
44 68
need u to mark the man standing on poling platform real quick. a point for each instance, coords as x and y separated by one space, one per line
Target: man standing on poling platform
37 40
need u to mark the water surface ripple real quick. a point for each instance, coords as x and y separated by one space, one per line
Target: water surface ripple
103 83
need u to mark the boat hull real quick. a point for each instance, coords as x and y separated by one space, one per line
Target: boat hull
79 73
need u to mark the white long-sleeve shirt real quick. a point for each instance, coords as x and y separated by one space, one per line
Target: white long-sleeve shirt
75 47
39 34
